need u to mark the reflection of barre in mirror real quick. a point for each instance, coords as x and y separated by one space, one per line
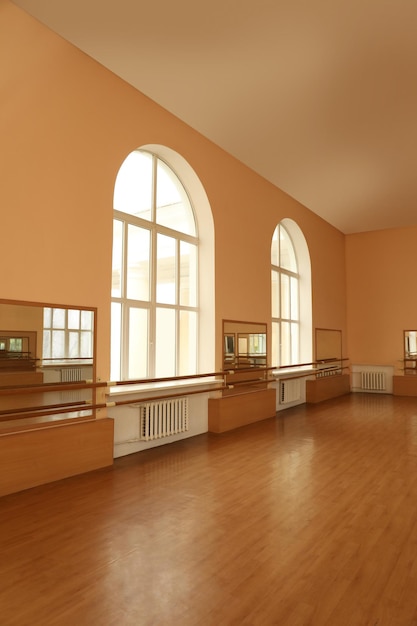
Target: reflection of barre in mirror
328 352
245 357
45 339
244 345
43 348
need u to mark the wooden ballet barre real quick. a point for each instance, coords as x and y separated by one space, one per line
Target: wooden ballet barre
71 407
44 407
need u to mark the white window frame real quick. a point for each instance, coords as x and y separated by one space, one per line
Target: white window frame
305 325
151 305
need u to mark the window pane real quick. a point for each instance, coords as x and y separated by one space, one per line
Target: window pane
47 317
166 270
285 344
188 274
165 343
285 296
86 320
116 330
138 343
86 347
275 293
116 283
73 319
294 298
46 348
138 249
188 344
295 343
275 344
58 318
73 348
58 344
173 208
275 248
287 253
133 187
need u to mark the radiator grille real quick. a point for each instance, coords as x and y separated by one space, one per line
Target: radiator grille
328 372
163 418
289 391
71 374
373 381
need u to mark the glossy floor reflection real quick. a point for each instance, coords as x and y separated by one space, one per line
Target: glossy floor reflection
306 518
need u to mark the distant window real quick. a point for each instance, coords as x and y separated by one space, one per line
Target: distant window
285 299
292 330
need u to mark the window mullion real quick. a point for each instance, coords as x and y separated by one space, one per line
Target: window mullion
154 188
124 325
153 274
177 305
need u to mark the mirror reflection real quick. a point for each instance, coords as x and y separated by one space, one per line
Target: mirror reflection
244 345
42 344
45 343
410 352
410 344
329 350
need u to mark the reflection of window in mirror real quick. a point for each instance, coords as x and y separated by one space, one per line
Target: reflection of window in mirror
15 344
257 343
229 344
410 337
243 345
67 333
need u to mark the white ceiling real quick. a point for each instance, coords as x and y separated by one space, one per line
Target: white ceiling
317 96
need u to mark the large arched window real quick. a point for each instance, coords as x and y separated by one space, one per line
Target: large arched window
155 295
290 296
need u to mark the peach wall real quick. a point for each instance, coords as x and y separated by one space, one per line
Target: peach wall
381 294
66 126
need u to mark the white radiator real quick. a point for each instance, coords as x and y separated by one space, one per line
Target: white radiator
335 371
163 418
373 381
289 391
71 374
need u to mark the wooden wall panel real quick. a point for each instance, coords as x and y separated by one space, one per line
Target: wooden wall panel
404 385
41 456
327 387
232 412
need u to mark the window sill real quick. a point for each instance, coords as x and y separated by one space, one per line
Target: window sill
150 389
293 372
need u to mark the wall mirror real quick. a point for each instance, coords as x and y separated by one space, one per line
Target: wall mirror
328 349
42 344
244 345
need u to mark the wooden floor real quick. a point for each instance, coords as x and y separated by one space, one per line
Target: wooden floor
306 518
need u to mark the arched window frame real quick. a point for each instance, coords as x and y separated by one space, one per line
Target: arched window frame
303 324
205 266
